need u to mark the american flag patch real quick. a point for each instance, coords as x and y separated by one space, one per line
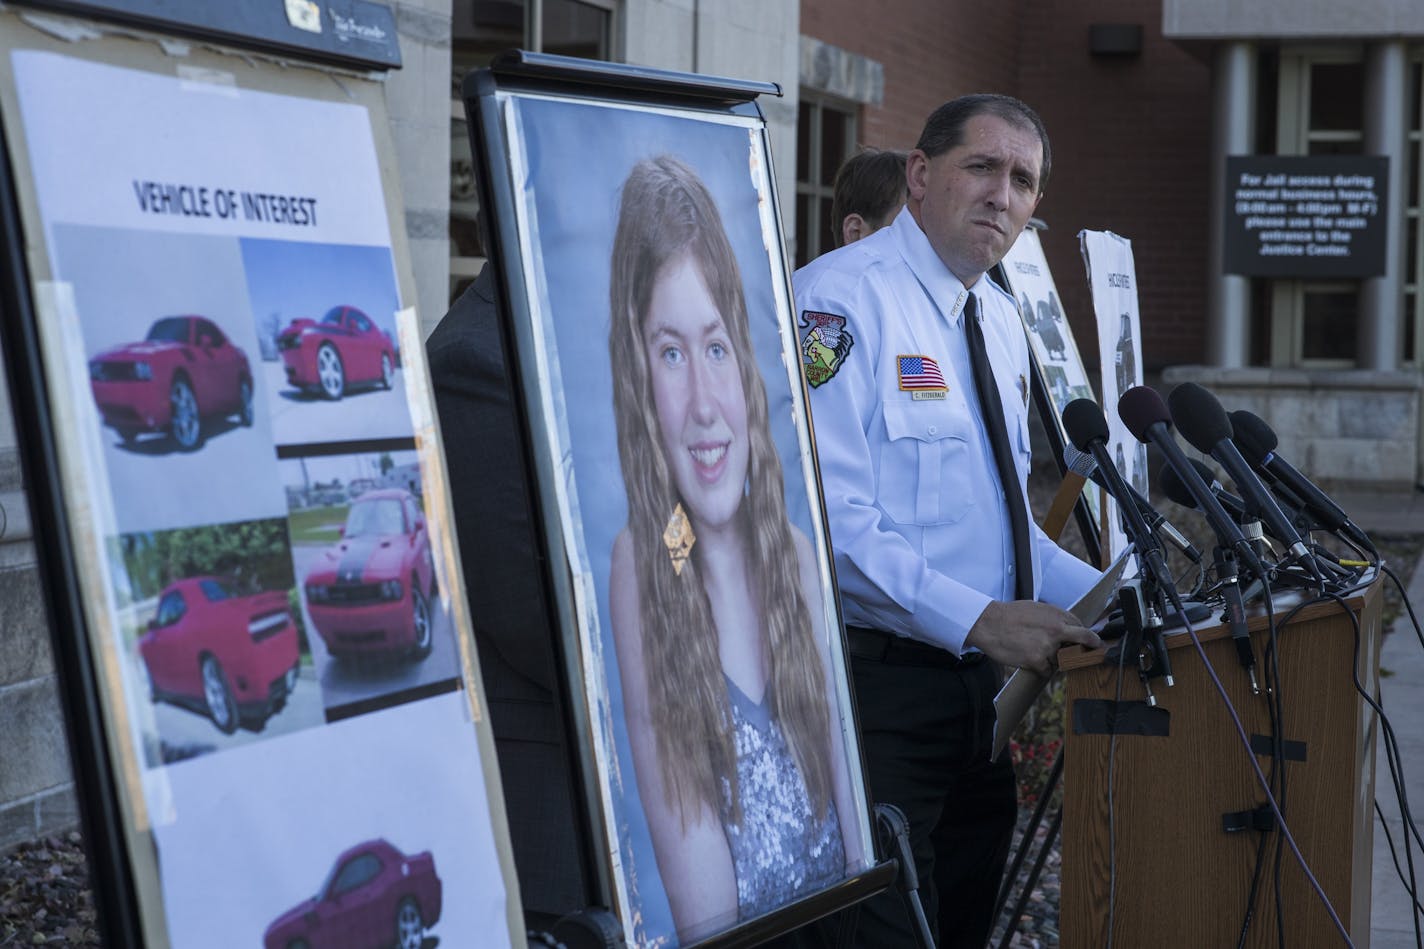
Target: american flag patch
918 372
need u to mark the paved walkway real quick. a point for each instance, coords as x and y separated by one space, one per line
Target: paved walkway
1402 697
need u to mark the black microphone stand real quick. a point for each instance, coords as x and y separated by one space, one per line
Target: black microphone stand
1229 583
895 835
1142 642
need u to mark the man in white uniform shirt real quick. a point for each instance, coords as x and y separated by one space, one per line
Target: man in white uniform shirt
931 578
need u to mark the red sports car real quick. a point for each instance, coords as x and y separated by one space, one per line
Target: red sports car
374 897
233 657
184 371
343 349
371 591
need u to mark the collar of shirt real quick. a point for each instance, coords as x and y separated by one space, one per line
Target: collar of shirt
937 280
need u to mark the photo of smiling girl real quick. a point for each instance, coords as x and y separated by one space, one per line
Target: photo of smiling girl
714 596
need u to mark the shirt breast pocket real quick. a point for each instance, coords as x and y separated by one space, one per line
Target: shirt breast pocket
1023 457
924 474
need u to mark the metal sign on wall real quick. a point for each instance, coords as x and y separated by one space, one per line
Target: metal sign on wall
1305 215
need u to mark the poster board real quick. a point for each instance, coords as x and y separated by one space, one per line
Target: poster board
1049 335
241 511
1056 357
1112 278
667 416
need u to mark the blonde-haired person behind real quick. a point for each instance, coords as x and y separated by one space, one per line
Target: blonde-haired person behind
722 657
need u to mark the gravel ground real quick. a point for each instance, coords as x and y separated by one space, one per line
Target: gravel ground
44 895
44 885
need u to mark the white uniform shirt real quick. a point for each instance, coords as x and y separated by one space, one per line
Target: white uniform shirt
918 523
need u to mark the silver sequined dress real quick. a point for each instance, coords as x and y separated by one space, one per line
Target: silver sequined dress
780 850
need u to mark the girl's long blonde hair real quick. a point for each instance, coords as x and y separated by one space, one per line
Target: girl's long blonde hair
665 213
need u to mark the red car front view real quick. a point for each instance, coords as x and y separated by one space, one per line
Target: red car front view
343 349
233 658
371 591
374 898
184 371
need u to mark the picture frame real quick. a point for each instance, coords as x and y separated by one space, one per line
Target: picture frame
637 246
186 489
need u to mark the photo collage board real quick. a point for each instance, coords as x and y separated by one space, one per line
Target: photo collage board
251 466
1050 337
667 397
1112 278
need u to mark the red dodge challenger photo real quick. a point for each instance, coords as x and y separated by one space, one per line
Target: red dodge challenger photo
186 370
344 348
374 897
370 592
233 658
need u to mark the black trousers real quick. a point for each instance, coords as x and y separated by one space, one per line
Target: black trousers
926 731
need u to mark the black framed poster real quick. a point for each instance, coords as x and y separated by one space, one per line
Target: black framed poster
641 253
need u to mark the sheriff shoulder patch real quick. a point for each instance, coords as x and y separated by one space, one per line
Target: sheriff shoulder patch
824 346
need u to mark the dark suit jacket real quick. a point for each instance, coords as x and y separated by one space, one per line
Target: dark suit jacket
493 508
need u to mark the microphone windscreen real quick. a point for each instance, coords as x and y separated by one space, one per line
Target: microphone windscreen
1079 462
1139 408
1176 489
1084 422
1173 486
1199 416
1254 438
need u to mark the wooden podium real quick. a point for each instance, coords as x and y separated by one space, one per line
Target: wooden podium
1181 879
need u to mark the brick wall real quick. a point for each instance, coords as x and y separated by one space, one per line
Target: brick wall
1131 143
1130 137
931 50
36 791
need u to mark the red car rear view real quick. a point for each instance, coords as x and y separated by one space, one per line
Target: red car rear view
374 898
371 591
344 348
233 658
184 371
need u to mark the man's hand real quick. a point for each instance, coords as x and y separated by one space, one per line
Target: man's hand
1027 634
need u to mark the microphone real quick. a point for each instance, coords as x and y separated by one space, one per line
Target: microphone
1175 490
1088 430
1204 424
1235 612
1257 442
1146 416
1083 464
1086 426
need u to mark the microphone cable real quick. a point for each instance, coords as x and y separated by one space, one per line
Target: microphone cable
1112 829
1396 772
1389 741
1276 714
1241 736
1409 607
1277 774
1394 856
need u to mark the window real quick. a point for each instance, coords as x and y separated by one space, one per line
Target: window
213 590
171 609
1320 108
825 138
209 334
1412 351
359 871
480 30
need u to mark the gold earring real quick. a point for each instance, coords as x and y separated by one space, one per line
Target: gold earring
678 538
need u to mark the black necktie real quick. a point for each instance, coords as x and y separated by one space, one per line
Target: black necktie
993 411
